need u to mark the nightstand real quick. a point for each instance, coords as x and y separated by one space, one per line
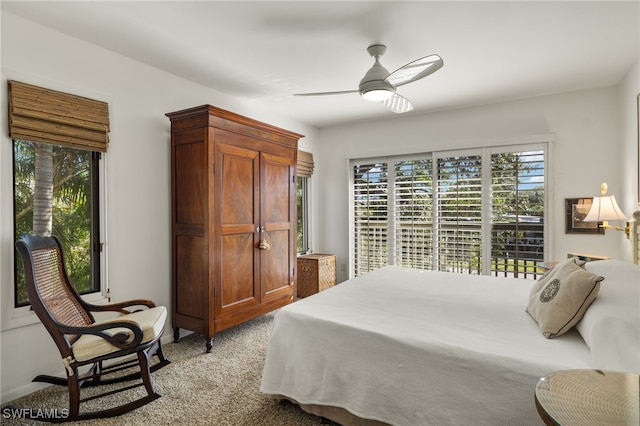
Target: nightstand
316 272
588 397
545 266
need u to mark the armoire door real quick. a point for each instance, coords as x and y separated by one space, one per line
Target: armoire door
236 224
278 217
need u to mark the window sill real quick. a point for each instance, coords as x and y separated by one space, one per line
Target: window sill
24 316
18 317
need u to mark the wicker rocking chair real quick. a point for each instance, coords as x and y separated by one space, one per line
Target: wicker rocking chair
111 351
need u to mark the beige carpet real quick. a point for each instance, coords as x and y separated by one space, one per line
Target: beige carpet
219 388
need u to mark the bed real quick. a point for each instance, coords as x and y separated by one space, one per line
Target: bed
411 347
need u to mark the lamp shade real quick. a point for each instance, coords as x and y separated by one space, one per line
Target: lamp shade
604 208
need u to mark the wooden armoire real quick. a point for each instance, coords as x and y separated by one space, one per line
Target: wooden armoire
233 230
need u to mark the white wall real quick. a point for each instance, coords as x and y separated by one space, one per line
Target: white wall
587 151
138 174
629 107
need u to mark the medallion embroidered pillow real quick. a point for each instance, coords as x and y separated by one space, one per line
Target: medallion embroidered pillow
559 299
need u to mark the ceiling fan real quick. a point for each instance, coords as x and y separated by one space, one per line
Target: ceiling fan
380 85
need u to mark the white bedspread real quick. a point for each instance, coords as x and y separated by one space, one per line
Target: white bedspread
410 347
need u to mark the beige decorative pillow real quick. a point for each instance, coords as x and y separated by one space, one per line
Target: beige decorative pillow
559 299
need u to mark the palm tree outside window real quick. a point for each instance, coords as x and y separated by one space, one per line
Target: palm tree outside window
56 192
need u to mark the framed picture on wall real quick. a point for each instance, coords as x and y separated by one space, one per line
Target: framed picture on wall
576 210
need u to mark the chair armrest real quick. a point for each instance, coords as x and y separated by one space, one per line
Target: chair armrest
118 339
119 306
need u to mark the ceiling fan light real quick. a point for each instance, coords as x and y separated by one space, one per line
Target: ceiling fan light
376 90
376 95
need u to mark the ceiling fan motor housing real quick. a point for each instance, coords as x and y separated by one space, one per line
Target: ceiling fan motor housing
374 85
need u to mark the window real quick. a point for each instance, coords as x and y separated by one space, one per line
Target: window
58 141
479 211
56 193
413 208
459 213
517 212
303 215
304 170
370 217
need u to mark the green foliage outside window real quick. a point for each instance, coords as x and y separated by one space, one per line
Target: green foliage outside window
71 208
302 237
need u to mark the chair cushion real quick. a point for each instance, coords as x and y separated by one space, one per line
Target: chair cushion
151 321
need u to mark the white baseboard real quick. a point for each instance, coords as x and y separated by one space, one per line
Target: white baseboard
20 391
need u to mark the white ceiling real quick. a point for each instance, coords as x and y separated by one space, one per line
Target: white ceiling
266 51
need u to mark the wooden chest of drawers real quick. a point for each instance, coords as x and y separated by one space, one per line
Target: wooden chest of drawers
316 272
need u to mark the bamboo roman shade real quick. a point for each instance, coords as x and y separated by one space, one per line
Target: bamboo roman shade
41 115
305 164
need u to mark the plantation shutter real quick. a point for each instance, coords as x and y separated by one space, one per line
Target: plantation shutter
46 116
413 222
459 214
305 164
370 205
477 211
517 211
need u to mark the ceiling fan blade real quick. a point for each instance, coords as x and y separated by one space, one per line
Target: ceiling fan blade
342 92
415 70
398 104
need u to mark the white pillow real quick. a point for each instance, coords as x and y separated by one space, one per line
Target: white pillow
611 326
